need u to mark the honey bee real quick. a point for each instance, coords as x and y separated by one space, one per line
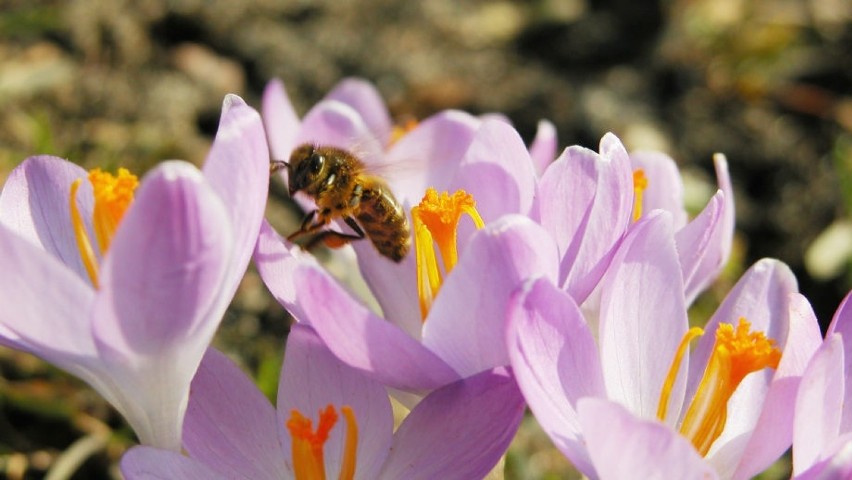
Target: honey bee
341 188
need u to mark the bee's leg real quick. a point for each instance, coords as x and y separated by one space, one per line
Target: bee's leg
277 165
352 223
334 239
308 226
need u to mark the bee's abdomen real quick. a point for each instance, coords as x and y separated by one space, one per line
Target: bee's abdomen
384 221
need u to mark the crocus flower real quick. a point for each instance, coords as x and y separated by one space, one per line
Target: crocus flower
448 151
623 384
704 244
588 200
125 289
822 433
332 421
543 147
451 166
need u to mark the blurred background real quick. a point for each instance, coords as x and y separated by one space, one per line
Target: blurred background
767 82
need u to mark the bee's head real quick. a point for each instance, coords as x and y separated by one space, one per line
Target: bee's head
305 168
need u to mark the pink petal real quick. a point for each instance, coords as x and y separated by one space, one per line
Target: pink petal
429 155
498 150
624 446
803 340
54 326
567 190
819 405
313 378
665 187
842 324
711 235
363 97
238 170
837 465
166 264
466 324
35 204
459 431
278 265
394 285
842 321
152 316
726 238
699 247
336 124
365 341
586 203
280 120
556 362
229 425
643 317
543 147
146 463
773 432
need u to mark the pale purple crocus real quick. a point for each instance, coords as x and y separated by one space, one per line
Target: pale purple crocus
462 333
588 200
453 334
704 244
135 320
616 382
232 431
822 433
543 147
448 151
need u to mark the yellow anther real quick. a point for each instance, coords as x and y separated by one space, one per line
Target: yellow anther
436 219
663 406
350 448
640 183
113 196
87 253
736 353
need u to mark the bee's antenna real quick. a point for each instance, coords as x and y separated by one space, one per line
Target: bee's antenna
276 165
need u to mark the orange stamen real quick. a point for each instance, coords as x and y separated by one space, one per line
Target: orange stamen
113 196
663 406
87 253
436 219
736 353
640 184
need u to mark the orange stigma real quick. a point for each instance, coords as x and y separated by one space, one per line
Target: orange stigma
436 219
309 445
